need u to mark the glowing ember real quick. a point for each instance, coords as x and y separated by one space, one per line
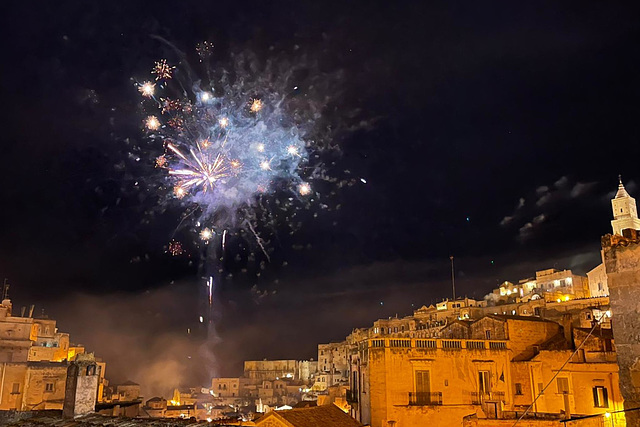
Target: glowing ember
161 161
147 89
175 248
256 105
152 123
162 70
206 234
304 189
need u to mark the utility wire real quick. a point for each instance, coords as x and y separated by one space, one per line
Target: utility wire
559 370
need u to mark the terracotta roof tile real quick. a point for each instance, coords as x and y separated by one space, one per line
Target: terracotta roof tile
319 416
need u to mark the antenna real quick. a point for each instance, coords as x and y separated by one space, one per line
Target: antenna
453 278
5 290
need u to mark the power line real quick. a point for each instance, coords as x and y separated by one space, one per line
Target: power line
560 370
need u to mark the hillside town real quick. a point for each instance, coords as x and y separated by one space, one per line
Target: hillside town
556 347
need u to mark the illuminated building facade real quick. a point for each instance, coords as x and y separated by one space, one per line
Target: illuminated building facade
622 261
491 368
625 212
34 359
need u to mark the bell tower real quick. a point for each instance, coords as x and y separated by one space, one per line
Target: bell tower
625 212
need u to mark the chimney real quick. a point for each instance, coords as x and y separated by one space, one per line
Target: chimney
31 310
81 387
22 311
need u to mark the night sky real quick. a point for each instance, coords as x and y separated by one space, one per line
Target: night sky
493 132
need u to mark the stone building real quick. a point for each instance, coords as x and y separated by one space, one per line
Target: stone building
259 370
325 416
333 365
492 367
625 216
34 358
625 212
81 388
622 261
227 387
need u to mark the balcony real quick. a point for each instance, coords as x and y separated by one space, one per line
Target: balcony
492 396
430 345
425 398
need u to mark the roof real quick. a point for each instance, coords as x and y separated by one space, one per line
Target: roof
305 404
513 317
598 332
318 416
129 383
93 420
621 190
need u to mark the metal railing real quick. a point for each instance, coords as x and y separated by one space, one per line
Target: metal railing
477 398
437 344
425 398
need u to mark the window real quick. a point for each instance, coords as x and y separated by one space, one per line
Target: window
423 382
600 397
608 345
484 382
48 387
540 388
487 334
563 385
519 389
600 286
15 389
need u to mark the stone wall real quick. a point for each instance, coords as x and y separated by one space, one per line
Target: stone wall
622 262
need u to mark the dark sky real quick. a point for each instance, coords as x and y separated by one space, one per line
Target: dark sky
494 132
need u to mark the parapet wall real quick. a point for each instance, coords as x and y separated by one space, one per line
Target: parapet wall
622 263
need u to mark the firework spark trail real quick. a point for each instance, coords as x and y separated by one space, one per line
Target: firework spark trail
258 240
225 152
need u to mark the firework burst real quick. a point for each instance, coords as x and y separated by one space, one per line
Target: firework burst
226 153
163 70
147 89
175 248
256 105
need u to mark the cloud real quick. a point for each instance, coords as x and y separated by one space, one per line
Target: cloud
543 189
506 220
509 218
525 231
545 203
562 182
539 219
581 188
